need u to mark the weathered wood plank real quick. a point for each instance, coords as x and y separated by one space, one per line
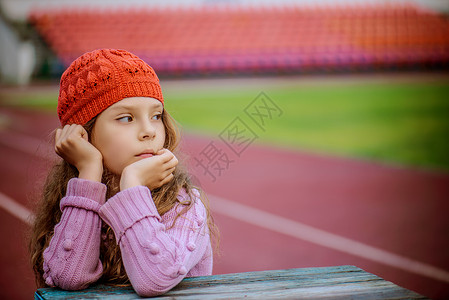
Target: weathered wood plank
341 282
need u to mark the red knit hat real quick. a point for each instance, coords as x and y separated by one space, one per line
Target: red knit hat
98 79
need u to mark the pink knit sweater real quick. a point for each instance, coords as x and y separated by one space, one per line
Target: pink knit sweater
156 256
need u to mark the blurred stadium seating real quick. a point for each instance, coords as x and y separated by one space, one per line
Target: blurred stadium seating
253 40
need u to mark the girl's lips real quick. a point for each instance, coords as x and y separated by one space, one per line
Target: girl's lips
145 155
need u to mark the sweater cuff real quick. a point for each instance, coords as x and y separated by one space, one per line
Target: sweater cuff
128 207
84 194
87 189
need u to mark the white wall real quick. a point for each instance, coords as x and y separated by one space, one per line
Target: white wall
17 58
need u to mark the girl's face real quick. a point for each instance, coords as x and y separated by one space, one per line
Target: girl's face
129 130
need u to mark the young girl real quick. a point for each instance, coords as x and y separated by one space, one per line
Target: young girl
118 208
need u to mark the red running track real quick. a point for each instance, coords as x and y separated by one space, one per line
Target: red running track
275 209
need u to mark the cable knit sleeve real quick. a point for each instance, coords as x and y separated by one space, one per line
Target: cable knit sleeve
156 255
72 259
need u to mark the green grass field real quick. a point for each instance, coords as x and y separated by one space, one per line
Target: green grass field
396 122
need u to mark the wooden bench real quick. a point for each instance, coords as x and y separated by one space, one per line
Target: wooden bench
343 282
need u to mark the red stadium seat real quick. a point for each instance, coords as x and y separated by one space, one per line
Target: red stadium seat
256 39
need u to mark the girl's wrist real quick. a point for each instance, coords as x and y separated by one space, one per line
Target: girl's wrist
128 180
92 172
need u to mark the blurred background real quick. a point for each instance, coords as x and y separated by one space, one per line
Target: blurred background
328 122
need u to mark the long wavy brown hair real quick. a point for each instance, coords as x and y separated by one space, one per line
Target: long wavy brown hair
48 213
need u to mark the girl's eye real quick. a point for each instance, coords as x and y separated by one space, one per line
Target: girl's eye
125 119
157 117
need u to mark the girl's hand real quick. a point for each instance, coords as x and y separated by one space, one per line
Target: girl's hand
72 144
152 172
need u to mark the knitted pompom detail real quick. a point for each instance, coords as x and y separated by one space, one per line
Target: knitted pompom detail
92 79
81 85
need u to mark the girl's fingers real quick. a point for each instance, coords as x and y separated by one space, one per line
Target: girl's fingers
167 179
59 138
172 163
80 131
70 131
57 134
67 138
75 131
166 155
168 172
169 159
65 132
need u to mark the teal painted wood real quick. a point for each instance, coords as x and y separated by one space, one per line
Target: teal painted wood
341 282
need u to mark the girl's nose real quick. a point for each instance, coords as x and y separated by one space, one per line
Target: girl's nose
147 130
